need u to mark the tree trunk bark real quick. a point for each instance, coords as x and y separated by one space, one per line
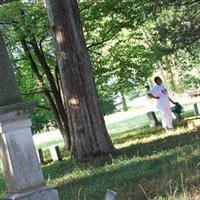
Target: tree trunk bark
170 75
86 123
124 106
64 128
60 118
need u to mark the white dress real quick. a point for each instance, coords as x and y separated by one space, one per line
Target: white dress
163 105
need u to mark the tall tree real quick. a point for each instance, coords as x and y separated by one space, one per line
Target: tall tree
86 123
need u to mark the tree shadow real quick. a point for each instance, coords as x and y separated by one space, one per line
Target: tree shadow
59 169
152 166
128 180
165 144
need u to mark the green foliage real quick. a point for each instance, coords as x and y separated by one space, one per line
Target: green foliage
107 105
28 21
190 82
31 92
127 40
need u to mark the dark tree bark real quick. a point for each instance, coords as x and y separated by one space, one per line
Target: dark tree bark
124 105
86 123
55 101
56 91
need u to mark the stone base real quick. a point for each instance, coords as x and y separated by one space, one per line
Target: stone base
44 193
193 122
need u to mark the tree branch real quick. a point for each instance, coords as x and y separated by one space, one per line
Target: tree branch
103 40
8 23
85 7
44 107
33 93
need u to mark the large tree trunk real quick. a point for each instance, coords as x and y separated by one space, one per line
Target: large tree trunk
86 123
54 97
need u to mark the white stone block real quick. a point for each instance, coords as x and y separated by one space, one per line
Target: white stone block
40 156
44 193
21 167
197 109
55 153
14 125
111 195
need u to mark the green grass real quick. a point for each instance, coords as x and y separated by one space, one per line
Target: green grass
128 124
113 128
148 164
132 123
44 146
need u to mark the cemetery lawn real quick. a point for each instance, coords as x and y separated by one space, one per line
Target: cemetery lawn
148 164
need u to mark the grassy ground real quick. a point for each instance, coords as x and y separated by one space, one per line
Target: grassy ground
132 123
148 164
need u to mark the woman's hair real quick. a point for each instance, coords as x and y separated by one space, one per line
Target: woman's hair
157 78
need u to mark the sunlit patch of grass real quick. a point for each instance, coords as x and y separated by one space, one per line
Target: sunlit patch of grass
128 124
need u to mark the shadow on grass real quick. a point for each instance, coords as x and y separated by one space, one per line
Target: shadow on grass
158 168
165 144
58 169
158 176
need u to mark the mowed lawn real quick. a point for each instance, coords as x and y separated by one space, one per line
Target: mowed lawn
148 164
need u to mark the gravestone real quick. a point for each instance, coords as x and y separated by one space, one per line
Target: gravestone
55 153
40 156
193 122
197 109
21 169
176 118
111 195
153 121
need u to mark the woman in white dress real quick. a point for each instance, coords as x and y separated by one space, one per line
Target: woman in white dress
160 93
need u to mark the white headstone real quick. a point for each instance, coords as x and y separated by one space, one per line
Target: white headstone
111 195
55 153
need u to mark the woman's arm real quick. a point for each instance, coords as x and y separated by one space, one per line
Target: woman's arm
172 101
152 96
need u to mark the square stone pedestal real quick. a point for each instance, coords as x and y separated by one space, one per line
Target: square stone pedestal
43 193
22 173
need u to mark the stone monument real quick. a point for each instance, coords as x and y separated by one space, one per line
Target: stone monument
153 121
22 173
197 109
111 195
